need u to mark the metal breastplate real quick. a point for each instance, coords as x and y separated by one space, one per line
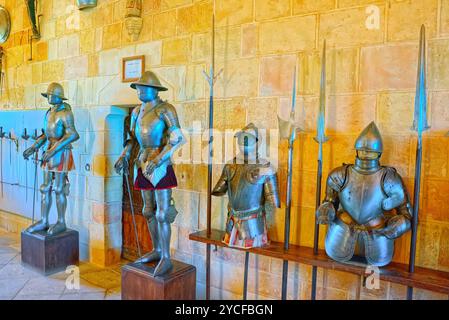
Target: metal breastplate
363 195
245 190
150 129
54 126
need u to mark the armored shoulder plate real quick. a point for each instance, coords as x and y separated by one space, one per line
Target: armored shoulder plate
338 177
67 106
168 113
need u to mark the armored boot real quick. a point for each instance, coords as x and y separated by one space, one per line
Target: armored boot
43 224
61 204
165 263
155 254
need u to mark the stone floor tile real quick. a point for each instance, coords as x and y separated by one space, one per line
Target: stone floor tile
38 297
105 278
16 270
10 287
5 258
83 296
43 285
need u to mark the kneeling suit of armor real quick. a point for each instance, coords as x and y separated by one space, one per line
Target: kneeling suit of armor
359 202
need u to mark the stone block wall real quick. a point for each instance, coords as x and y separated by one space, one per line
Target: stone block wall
371 75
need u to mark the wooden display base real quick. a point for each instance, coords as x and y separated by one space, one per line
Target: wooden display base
50 254
138 282
423 278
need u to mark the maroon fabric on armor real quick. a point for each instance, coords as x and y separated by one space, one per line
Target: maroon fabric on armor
167 182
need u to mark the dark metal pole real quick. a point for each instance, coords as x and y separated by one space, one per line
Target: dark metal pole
419 125
415 213
287 219
131 204
211 80
245 277
288 202
36 154
320 138
245 274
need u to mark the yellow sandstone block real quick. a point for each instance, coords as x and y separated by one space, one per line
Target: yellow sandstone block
168 4
164 25
439 113
112 36
36 73
438 72
239 78
272 9
271 40
306 6
195 18
405 19
276 75
350 113
176 51
396 112
388 67
351 27
233 12
52 71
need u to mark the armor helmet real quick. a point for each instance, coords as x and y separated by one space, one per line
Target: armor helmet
149 79
83 4
370 139
250 130
55 89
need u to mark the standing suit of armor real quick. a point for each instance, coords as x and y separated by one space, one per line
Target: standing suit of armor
57 160
155 127
251 186
358 205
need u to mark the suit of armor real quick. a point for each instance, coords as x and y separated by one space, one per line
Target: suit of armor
358 207
155 128
251 185
57 160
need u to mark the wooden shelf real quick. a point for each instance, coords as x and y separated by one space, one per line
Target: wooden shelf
437 281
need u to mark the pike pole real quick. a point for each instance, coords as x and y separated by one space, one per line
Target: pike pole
211 78
320 139
131 204
419 125
288 131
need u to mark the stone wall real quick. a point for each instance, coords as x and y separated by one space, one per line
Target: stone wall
371 75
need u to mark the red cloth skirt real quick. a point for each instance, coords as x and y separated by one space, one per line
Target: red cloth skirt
167 182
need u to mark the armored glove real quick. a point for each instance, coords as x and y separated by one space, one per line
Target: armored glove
29 152
122 164
396 227
326 213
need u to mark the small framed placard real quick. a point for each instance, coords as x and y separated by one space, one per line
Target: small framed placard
133 68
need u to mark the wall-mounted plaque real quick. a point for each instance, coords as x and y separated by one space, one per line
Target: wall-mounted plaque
133 68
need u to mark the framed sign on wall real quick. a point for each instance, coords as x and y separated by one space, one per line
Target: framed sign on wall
132 68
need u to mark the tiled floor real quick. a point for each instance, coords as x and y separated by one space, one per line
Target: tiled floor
20 283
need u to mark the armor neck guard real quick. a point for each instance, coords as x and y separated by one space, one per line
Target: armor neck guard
59 107
154 103
367 166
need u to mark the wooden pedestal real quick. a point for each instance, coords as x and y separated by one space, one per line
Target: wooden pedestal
138 282
50 254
